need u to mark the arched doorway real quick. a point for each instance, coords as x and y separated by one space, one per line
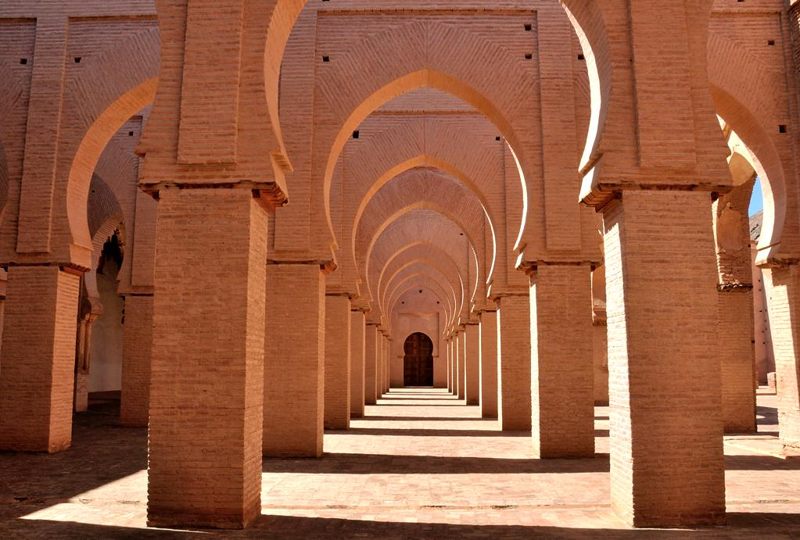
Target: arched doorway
418 360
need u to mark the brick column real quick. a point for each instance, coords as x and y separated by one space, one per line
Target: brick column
450 371
562 374
387 358
736 336
600 336
38 364
461 370
137 341
207 359
514 357
371 364
600 360
387 363
357 350
90 310
337 362
783 298
472 344
488 329
379 357
664 371
736 350
294 360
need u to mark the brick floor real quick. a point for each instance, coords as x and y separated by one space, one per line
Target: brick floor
421 464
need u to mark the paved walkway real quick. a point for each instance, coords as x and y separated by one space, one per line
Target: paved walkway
421 464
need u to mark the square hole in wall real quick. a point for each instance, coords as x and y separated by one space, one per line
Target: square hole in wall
77 59
23 61
326 58
782 128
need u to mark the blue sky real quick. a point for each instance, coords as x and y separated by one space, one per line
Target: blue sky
757 201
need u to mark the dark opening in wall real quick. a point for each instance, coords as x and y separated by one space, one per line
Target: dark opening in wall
771 42
528 27
782 128
356 134
326 58
23 61
77 59
528 56
581 57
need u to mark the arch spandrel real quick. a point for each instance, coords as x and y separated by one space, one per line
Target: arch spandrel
92 114
744 94
361 97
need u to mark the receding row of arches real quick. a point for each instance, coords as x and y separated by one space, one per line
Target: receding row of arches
459 197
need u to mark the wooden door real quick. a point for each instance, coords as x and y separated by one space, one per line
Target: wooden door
418 360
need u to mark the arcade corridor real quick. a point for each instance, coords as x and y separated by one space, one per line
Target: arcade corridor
421 464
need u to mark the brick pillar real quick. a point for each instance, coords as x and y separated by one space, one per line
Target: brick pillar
38 365
664 372
450 372
294 360
600 360
488 370
514 357
783 298
357 350
562 374
600 336
461 370
337 362
386 364
472 345
387 359
207 359
736 350
736 335
137 341
371 356
91 309
379 376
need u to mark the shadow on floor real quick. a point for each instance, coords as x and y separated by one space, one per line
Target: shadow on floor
425 419
761 463
740 526
416 399
766 416
413 432
101 452
412 403
393 464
